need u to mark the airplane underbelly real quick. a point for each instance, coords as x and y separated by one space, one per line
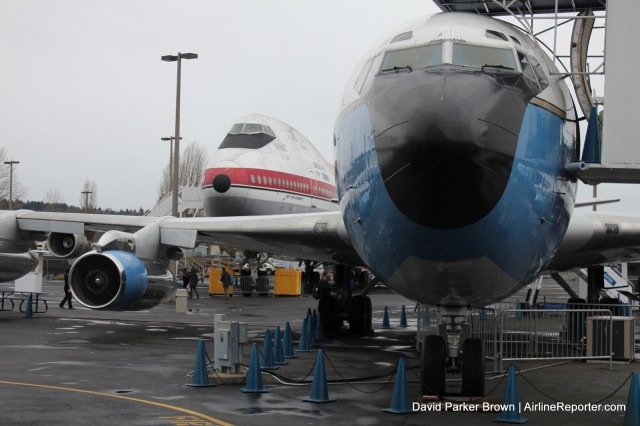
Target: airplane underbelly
481 261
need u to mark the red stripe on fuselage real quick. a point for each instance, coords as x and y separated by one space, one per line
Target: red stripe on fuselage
272 180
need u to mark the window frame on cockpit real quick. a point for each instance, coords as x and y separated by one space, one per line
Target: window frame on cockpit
455 60
248 136
531 67
396 65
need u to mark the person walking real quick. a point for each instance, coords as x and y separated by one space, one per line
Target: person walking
67 291
185 278
225 279
193 283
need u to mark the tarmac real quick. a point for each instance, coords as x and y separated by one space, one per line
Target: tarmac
79 367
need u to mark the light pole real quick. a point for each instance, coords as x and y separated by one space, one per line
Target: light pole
11 163
170 160
176 149
86 200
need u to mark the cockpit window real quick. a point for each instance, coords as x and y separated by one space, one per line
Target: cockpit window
248 136
532 69
250 128
526 67
497 35
537 69
363 75
412 58
402 37
483 57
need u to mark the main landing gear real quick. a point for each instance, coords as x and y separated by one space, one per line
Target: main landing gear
341 306
452 351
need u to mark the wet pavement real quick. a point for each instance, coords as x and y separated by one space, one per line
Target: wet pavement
79 367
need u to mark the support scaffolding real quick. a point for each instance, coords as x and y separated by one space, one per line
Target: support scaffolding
619 161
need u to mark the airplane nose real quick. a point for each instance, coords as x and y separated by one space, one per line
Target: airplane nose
446 139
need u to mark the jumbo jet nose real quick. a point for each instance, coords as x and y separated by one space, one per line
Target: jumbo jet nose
446 139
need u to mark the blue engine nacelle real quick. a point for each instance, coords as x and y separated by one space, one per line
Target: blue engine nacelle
116 280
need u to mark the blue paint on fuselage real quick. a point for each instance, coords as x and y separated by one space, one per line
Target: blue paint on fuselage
519 235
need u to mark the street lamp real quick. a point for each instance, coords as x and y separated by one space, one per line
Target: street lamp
170 159
11 163
176 149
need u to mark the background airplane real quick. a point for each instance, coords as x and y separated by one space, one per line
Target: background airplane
452 150
265 166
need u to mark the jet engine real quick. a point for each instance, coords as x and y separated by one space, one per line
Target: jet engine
16 265
118 280
67 245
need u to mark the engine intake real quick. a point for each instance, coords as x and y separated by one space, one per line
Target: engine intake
116 280
67 245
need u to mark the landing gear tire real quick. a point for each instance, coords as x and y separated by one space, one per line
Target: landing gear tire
360 315
432 366
472 368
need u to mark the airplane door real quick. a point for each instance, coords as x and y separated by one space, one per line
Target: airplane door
313 189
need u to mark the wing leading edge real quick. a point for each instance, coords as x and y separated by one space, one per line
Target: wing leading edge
314 236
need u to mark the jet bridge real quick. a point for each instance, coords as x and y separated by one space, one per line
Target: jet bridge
611 152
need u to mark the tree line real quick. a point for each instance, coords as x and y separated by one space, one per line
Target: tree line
193 161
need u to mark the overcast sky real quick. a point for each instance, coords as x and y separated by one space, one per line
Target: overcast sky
84 94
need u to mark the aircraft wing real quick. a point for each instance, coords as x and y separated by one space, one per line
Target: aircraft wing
595 238
315 236
77 223
592 237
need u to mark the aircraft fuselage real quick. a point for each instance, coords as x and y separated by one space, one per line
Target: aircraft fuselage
455 165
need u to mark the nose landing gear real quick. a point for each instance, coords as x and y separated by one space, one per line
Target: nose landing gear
452 352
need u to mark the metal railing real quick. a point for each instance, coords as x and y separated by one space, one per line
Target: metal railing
514 331
247 287
563 334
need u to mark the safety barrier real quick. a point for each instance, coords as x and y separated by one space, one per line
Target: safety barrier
513 332
559 334
247 287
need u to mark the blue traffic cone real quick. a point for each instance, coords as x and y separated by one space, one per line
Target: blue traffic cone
400 403
278 355
403 317
28 312
632 416
319 335
287 343
254 376
311 339
200 375
319 389
303 343
266 361
511 400
385 318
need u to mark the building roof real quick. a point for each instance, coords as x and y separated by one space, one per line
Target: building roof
491 7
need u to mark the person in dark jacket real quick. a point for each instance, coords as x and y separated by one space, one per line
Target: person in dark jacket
225 279
323 288
67 291
185 278
193 282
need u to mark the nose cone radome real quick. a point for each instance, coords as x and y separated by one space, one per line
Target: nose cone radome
221 183
446 140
